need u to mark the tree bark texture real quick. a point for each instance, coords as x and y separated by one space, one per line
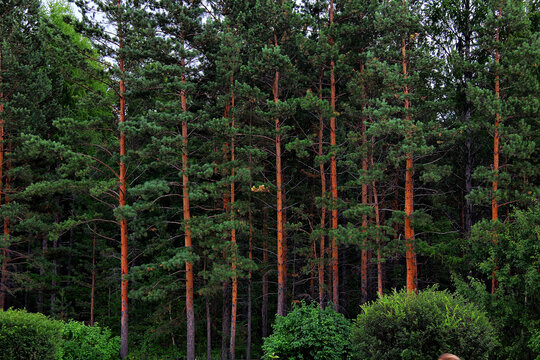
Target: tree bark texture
496 141
3 275
234 296
412 272
322 246
122 201
281 241
333 172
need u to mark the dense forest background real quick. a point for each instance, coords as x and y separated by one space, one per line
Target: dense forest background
203 165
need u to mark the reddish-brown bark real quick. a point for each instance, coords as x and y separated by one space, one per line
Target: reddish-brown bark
322 249
190 313
250 280
233 240
250 255
333 172
412 272
281 240
496 141
225 309
364 252
3 276
122 202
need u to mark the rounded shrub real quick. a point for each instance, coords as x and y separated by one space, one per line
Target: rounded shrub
34 336
309 332
28 336
88 342
422 326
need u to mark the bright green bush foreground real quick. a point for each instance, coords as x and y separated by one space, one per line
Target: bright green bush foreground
31 336
309 332
411 327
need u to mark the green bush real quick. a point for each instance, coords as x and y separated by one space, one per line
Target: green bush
408 326
534 343
29 336
514 309
87 342
309 332
32 336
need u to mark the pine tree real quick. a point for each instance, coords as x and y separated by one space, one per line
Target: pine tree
508 39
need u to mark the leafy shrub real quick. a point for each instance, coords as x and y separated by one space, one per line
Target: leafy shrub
87 342
29 336
309 332
514 309
534 343
408 326
32 336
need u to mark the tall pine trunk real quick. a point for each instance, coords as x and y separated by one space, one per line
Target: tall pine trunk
250 280
412 272
281 241
250 250
122 199
364 252
3 275
190 312
333 171
496 140
234 296
322 248
225 310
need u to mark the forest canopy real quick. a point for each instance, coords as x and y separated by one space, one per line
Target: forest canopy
199 167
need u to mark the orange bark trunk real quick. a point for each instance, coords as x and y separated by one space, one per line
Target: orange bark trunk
250 280
3 276
190 314
333 171
322 249
281 241
225 309
233 240
250 255
496 140
412 275
122 202
364 252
